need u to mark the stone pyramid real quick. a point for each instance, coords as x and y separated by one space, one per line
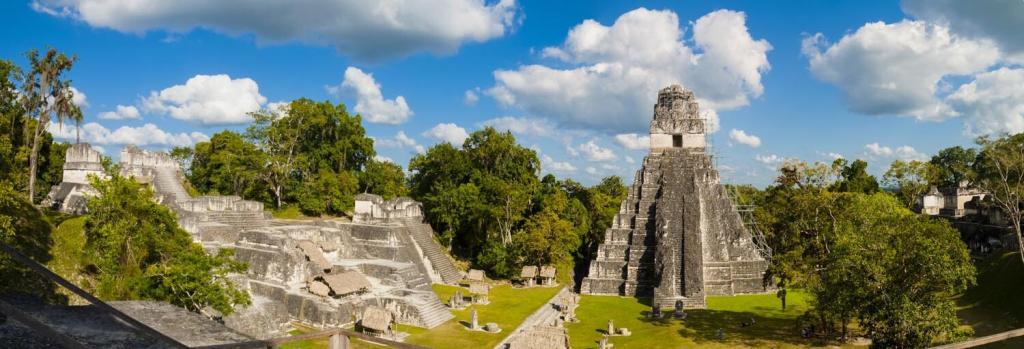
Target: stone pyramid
677 236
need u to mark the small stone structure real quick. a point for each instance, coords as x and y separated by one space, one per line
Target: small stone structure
677 235
80 162
370 208
547 275
473 276
952 202
474 321
479 292
528 275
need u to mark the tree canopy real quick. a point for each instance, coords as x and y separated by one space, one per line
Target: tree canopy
136 250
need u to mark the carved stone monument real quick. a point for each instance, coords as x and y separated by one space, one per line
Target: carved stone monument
677 236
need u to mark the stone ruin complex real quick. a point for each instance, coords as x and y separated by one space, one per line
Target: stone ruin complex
80 161
318 272
677 236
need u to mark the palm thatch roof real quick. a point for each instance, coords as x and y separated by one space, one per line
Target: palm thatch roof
346 282
314 254
528 272
376 318
547 271
319 288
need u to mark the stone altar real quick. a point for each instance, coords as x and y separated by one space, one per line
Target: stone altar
677 236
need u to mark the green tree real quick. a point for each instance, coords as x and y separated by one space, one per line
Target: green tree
478 196
136 250
23 227
910 179
227 164
898 272
383 178
45 93
328 193
278 137
954 165
854 177
999 170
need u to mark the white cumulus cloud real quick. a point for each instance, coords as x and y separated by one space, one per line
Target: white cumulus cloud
401 141
470 97
122 112
370 102
609 75
208 100
898 68
447 132
79 98
742 137
770 159
594 152
906 152
633 141
556 166
522 126
993 102
998 20
368 30
145 135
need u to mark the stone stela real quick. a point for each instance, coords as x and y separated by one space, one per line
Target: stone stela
677 236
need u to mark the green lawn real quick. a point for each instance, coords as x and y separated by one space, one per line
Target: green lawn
995 304
68 243
508 308
774 328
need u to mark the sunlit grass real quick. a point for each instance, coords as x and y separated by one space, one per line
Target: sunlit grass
773 328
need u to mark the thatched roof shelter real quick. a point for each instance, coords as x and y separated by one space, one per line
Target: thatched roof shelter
479 288
475 275
314 254
529 272
376 318
346 282
547 271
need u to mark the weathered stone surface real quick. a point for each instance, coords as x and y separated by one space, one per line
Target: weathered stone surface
80 162
319 288
677 236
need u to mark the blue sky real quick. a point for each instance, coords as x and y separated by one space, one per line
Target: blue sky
879 80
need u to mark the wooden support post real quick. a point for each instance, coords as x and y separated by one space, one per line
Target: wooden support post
338 341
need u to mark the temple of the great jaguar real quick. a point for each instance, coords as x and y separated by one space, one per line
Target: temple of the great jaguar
677 236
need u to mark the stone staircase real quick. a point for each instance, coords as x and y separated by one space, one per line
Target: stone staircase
167 184
623 263
423 235
413 279
432 312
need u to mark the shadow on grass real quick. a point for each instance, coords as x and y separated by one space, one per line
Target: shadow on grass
702 326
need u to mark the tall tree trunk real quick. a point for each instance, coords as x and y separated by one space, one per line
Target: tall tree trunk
33 161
